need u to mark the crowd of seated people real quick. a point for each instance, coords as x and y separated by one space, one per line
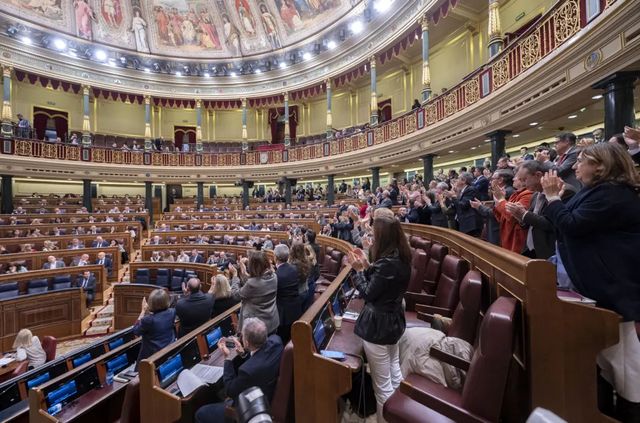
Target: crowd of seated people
16 220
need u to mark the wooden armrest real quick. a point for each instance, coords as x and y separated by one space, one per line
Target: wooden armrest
440 405
448 358
419 298
429 309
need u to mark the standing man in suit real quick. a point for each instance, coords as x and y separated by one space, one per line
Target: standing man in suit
287 298
256 363
196 257
469 221
53 263
105 261
99 243
567 157
481 184
195 308
88 284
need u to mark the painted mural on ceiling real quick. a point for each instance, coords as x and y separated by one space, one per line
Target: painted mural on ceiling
185 28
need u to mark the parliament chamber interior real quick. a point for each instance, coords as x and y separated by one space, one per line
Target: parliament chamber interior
319 211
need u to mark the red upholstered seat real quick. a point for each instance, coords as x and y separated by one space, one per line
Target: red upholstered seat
437 253
483 390
49 344
282 402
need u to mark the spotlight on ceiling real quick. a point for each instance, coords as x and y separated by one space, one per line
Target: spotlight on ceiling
111 62
258 71
147 70
178 73
233 74
207 75
26 40
100 55
60 44
283 65
331 45
356 27
597 97
306 55
382 6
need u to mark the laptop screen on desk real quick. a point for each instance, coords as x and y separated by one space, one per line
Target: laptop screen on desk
168 371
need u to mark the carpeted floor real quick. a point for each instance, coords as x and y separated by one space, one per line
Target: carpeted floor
66 347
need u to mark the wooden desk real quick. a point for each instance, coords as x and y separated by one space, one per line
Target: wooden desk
13 245
345 340
72 217
7 369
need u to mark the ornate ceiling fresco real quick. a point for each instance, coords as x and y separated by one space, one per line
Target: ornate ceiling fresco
212 29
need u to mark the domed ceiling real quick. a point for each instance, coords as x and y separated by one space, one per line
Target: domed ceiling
204 29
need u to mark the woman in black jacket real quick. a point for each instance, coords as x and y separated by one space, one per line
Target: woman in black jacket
382 284
598 236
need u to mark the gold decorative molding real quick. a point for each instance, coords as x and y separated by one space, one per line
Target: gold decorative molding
566 20
500 72
494 27
530 50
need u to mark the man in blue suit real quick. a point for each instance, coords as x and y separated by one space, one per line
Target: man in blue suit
257 363
288 296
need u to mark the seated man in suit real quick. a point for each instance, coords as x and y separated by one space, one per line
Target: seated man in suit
155 240
196 257
75 244
195 308
99 243
257 363
88 284
53 263
83 260
105 261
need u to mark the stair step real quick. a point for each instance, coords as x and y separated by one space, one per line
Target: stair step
106 311
97 330
102 321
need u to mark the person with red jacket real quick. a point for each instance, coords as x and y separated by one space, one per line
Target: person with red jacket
512 235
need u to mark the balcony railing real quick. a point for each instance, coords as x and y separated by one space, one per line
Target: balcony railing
559 24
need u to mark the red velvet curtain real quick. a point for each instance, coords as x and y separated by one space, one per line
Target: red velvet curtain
42 115
275 115
385 111
179 133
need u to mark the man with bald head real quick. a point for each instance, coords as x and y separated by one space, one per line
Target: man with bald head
195 307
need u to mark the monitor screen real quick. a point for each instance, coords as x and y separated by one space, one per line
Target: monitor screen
62 393
336 305
38 380
118 363
81 359
319 334
168 371
116 343
212 339
9 395
190 354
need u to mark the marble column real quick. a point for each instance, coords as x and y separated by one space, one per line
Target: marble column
200 194
331 186
426 71
86 195
86 116
375 179
7 194
497 146
427 168
245 194
287 134
148 198
7 114
618 102
199 147
148 145
494 28
287 191
245 136
374 95
329 116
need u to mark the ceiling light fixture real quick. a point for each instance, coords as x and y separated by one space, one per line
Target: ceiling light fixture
100 55
258 71
533 123
473 148
306 55
331 45
60 44
382 6
26 40
233 74
178 73
147 70
597 97
356 27
572 116
207 75
283 65
451 151
516 135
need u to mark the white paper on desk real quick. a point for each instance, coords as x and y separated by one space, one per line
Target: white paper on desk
6 360
208 374
188 382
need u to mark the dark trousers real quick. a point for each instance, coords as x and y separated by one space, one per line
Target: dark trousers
211 413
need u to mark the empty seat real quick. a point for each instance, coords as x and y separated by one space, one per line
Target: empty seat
142 276
49 344
9 290
61 282
176 283
36 286
483 391
436 255
163 277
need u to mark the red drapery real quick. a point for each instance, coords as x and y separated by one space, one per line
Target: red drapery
56 120
179 133
384 108
275 118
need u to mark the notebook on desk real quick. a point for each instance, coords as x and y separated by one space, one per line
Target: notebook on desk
6 360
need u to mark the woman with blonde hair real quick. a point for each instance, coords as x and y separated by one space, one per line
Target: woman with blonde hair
598 233
28 348
221 290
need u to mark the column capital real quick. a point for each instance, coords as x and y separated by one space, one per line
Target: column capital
86 89
498 133
424 22
244 102
286 95
429 156
372 61
198 103
6 71
618 77
328 83
147 99
494 26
